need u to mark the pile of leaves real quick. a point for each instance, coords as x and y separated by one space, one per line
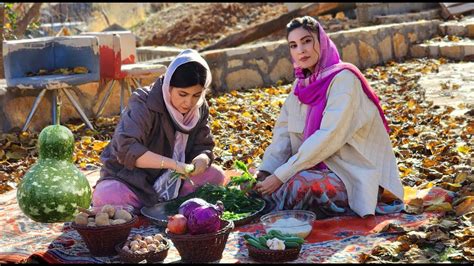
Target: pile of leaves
59 71
433 149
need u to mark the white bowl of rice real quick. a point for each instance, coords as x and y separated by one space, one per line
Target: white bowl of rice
295 222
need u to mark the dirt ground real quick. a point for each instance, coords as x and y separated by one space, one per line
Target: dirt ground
196 25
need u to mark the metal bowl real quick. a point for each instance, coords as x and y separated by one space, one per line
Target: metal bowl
159 216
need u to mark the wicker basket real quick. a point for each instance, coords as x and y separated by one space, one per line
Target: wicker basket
204 247
101 240
269 255
150 257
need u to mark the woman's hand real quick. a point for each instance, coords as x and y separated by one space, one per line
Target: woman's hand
181 168
201 163
269 185
261 175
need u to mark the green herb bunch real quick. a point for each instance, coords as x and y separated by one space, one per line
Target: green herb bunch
245 178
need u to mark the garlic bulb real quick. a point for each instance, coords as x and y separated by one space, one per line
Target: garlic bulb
276 244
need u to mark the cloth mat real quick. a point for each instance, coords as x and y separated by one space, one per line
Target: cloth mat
338 239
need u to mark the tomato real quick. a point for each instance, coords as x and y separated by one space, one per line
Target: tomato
177 224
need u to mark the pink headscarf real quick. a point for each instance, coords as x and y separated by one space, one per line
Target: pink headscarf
312 90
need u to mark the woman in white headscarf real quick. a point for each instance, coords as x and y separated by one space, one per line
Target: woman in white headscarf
163 129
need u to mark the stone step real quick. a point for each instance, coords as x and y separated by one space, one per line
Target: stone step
462 28
460 50
400 18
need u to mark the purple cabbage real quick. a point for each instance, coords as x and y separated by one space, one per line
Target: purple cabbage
189 205
204 220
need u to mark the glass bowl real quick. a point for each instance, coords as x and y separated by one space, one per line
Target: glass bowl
296 222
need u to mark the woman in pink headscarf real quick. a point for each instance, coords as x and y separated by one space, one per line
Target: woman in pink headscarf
331 152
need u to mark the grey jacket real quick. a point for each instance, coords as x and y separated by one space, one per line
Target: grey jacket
145 125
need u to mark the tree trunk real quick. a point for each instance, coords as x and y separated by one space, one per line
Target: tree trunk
2 18
263 29
32 14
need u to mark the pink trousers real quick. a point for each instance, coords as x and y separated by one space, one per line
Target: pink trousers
117 193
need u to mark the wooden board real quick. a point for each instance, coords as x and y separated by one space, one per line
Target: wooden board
448 10
268 27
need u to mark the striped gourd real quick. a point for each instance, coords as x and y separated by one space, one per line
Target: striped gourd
53 187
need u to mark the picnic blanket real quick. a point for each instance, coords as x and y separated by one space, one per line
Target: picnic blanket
337 239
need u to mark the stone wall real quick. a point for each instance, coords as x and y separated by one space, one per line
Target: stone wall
266 63
258 65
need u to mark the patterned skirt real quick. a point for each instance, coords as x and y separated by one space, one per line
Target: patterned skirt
322 192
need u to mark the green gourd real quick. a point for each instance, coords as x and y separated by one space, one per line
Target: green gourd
53 187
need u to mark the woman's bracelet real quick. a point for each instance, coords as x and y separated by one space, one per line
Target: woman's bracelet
162 161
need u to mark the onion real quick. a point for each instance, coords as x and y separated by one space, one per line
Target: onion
177 224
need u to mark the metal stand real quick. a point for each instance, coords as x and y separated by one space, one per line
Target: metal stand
54 100
78 108
106 98
125 85
33 109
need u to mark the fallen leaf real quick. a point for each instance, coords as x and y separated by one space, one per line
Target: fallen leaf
467 205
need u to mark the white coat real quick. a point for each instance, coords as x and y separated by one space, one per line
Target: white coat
352 142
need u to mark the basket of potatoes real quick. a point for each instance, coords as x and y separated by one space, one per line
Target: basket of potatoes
103 228
137 248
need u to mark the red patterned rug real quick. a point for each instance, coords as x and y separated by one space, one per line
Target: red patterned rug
339 239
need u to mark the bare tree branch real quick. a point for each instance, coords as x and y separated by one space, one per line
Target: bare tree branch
105 16
32 14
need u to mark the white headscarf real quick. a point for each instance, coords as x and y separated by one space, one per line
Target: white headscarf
166 187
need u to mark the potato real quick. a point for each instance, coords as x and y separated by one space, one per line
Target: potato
102 219
152 247
109 209
142 244
123 214
149 239
158 237
134 247
81 219
91 224
117 221
137 237
142 251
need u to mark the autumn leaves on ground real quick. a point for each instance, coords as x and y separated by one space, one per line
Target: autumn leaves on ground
433 149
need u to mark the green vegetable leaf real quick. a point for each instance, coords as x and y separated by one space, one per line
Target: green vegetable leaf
246 177
241 166
175 175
